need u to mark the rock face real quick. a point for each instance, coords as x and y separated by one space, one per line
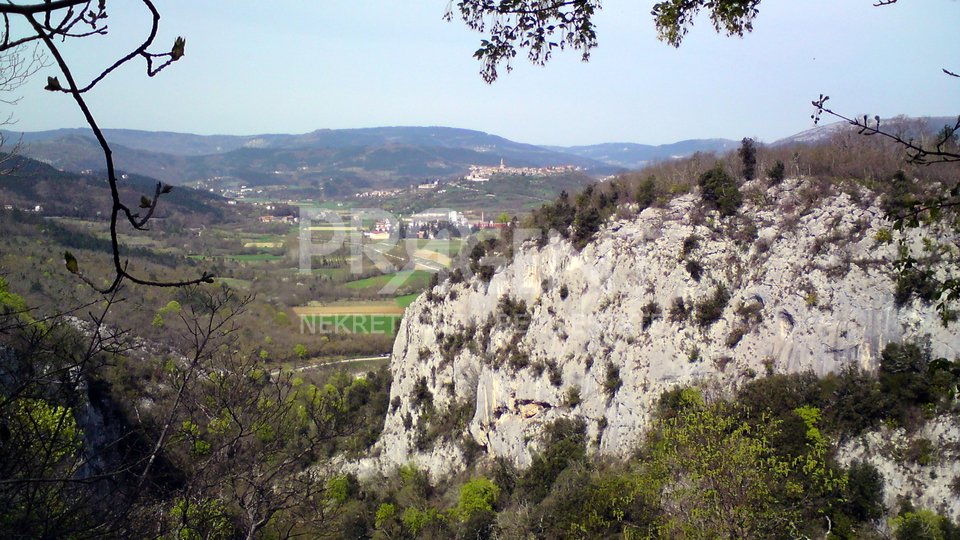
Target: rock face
599 334
921 466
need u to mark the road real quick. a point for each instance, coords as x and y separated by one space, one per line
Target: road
419 263
301 369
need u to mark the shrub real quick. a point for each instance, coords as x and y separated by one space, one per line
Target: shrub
514 312
679 401
518 360
719 190
915 283
585 225
920 451
565 443
751 314
742 231
899 197
612 381
776 173
651 311
480 250
883 236
906 381
678 310
554 374
709 310
721 363
762 245
863 495
476 495
572 398
646 192
853 402
690 243
422 397
695 269
913 524
736 335
564 291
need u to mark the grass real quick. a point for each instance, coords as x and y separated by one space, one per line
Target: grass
332 273
404 301
258 257
344 228
454 243
410 277
260 238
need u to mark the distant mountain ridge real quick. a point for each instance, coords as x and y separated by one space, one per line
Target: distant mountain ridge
361 159
186 144
355 159
634 156
908 125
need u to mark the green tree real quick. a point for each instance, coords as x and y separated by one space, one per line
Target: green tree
748 157
719 190
477 495
715 476
541 26
919 525
646 192
776 173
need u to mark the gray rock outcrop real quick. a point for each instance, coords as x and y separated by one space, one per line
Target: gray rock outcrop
599 334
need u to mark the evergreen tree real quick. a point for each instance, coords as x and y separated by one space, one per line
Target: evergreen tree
719 190
748 155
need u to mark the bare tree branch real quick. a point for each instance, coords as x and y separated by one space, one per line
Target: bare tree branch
45 7
941 152
57 22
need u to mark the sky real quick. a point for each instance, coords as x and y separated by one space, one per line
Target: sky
289 66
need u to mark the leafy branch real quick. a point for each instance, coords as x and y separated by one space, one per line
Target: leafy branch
537 25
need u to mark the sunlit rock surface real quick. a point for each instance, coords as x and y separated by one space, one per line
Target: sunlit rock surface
809 290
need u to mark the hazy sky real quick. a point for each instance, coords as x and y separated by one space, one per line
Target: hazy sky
288 66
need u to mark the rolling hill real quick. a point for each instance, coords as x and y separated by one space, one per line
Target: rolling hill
634 156
352 159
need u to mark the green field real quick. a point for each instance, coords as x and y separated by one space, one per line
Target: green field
418 278
258 257
404 301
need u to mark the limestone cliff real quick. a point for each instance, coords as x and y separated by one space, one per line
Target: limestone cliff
799 281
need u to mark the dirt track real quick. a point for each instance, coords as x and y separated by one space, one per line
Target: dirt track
380 309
